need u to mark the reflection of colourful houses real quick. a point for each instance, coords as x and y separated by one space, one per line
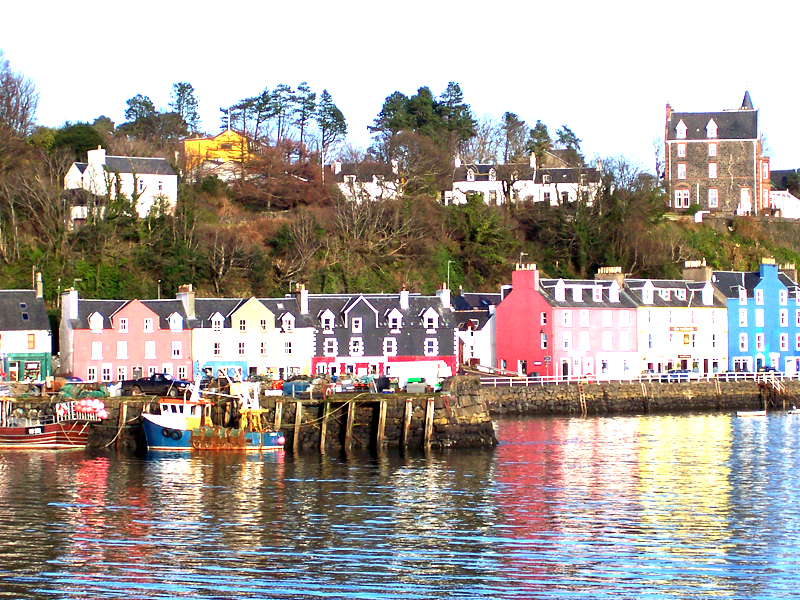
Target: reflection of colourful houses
26 345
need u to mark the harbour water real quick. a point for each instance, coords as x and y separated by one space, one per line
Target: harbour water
663 506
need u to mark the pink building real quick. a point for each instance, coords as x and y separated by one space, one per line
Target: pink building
567 329
111 340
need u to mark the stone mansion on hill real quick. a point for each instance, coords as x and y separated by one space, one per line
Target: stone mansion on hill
716 160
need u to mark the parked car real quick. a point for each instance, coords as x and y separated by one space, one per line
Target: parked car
678 375
768 369
158 384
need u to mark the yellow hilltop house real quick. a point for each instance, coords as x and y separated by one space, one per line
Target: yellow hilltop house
220 155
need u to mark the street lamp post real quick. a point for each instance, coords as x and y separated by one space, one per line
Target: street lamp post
448 272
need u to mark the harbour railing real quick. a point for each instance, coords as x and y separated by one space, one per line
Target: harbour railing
772 378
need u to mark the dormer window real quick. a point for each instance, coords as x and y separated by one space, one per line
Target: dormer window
613 292
742 295
546 178
216 323
492 175
96 323
430 319
560 291
287 322
680 130
664 294
681 294
395 320
470 175
577 294
711 129
357 324
326 320
597 294
647 294
175 323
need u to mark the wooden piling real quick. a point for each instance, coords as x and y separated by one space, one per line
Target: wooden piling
298 418
278 414
323 430
348 431
409 411
381 433
428 423
123 416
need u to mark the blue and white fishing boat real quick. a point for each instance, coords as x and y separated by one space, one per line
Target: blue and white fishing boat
186 424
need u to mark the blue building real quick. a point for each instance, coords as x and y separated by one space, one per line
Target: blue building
763 317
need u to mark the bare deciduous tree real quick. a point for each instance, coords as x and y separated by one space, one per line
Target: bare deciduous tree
18 100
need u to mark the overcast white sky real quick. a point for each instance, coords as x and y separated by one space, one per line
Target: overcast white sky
605 69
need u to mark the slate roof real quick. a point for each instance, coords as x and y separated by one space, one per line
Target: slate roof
478 318
692 296
472 301
165 308
780 178
289 303
363 171
729 282
547 288
129 164
205 308
524 172
20 310
89 307
731 125
383 303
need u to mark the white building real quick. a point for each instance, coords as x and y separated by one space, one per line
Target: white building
524 182
681 325
149 179
364 181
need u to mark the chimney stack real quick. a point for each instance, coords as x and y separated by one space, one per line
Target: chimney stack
696 270
302 298
610 274
186 296
39 286
404 299
790 270
443 294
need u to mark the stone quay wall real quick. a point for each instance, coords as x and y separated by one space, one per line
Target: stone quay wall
461 420
458 421
638 398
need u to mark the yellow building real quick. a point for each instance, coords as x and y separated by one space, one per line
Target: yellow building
223 153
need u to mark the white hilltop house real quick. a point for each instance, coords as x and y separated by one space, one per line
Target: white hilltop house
152 178
527 182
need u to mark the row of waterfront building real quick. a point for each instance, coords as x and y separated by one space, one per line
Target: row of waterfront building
610 327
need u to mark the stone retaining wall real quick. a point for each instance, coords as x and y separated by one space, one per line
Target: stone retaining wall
638 398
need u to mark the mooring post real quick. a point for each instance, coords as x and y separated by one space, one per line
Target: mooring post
326 409
348 431
381 433
123 416
278 414
428 423
298 418
409 410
